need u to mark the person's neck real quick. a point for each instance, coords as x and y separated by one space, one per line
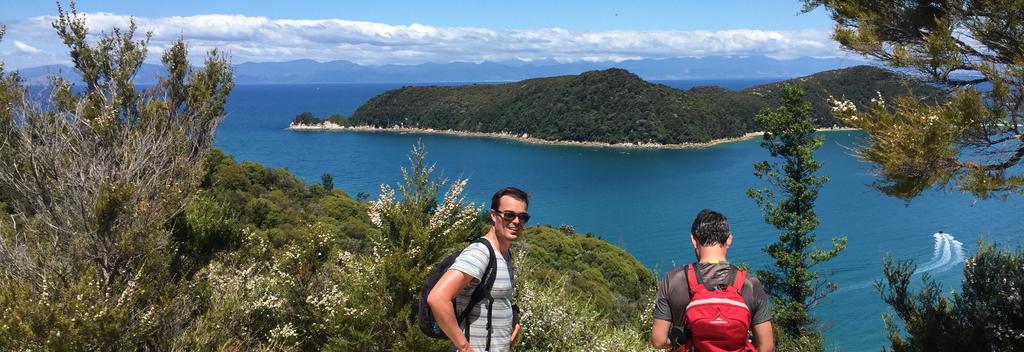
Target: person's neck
712 254
500 245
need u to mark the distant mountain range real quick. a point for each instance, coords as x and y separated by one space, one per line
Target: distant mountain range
309 71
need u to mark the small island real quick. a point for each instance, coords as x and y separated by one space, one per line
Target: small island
606 108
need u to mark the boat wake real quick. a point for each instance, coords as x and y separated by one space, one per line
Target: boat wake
948 253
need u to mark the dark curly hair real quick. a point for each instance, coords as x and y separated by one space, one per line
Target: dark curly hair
710 228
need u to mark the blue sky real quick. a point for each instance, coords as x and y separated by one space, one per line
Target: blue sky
410 32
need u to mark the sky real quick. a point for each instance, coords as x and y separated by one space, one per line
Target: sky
413 32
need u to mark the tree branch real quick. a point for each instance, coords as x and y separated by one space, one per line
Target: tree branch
1013 160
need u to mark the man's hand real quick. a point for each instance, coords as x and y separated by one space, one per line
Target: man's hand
464 347
515 334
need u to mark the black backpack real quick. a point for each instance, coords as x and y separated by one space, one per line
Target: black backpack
482 290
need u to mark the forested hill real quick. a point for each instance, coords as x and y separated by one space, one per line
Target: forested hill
616 106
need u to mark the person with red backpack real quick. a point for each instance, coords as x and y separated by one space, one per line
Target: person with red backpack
711 305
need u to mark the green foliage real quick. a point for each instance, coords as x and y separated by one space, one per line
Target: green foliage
588 267
207 226
579 293
300 292
327 181
278 266
612 106
90 181
10 90
973 142
558 319
791 283
988 314
307 118
337 119
415 233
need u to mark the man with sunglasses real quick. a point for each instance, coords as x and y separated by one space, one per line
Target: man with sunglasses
490 323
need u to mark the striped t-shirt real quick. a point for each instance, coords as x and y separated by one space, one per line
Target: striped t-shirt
473 261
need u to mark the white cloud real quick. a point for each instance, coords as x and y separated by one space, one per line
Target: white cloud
249 38
25 48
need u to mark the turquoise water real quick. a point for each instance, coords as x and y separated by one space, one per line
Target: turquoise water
641 200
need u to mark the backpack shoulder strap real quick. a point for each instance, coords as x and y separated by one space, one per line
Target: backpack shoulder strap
508 261
693 278
491 273
483 288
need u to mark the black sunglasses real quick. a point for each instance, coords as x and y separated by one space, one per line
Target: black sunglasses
509 215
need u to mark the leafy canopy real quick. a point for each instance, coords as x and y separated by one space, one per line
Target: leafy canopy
975 50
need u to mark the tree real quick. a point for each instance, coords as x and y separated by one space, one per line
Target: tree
416 231
327 181
974 141
793 286
988 314
305 118
90 180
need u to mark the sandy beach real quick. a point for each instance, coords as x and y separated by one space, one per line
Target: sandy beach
327 126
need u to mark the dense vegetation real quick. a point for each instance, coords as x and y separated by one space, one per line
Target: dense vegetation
608 275
307 118
616 106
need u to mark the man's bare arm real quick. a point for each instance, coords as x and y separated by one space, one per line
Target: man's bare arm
764 341
440 301
659 334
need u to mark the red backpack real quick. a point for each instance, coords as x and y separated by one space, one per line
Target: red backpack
718 318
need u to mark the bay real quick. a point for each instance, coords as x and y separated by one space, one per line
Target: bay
641 200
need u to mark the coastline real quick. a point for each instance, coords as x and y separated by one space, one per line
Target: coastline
328 126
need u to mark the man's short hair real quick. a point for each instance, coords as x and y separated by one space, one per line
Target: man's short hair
710 228
511 192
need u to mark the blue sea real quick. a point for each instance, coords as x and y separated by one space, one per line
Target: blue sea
642 200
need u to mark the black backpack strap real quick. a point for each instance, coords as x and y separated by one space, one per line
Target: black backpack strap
478 292
490 306
696 272
482 290
733 270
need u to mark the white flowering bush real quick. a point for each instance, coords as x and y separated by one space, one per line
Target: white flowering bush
556 320
305 294
417 227
83 315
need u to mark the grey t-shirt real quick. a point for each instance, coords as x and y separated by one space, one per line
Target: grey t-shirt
674 293
473 261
